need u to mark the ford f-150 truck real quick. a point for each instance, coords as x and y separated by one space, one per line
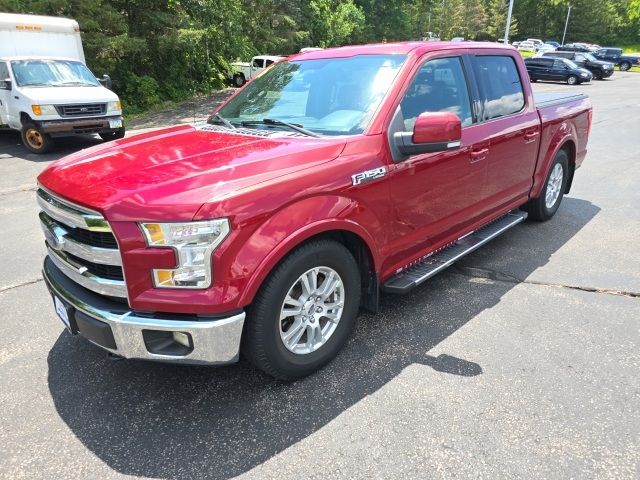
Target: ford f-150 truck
336 175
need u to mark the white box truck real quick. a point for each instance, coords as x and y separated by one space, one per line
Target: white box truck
46 90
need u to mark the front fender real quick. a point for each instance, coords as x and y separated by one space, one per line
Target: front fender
298 222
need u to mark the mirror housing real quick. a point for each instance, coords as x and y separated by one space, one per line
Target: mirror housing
432 132
106 81
5 84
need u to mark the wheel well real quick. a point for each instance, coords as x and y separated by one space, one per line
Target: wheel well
570 148
364 258
25 118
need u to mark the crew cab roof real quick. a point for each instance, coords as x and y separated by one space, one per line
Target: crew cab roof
37 57
402 48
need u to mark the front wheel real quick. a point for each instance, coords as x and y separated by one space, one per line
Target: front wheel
546 205
304 311
107 136
624 66
572 80
35 139
597 75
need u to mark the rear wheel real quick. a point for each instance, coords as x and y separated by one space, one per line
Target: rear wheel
35 139
239 80
546 205
624 66
304 311
572 80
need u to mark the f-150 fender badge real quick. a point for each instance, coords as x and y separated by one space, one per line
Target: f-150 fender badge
368 175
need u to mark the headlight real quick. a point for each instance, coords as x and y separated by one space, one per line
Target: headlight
193 242
114 106
44 109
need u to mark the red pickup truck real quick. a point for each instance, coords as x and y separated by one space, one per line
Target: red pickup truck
334 176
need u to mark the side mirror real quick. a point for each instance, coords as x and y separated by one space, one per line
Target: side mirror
432 132
5 84
106 81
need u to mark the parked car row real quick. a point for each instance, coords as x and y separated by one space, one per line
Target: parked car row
573 63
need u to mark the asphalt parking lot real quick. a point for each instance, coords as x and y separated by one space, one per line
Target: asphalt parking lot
521 362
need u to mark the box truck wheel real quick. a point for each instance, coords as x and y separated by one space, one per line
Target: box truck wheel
35 139
113 135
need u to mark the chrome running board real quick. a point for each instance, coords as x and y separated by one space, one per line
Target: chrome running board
416 274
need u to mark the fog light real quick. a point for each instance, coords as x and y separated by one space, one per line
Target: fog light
182 339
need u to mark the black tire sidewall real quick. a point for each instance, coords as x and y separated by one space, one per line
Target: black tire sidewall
263 331
575 80
239 80
563 159
623 64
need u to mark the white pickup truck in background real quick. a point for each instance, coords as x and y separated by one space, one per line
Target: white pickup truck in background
46 90
242 72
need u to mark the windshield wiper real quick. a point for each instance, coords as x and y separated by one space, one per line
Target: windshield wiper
275 121
77 83
224 121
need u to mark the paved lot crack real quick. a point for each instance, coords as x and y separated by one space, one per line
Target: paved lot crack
479 272
21 284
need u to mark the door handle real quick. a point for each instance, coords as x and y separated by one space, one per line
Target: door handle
530 136
479 155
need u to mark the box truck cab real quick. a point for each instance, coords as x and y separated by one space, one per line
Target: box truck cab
46 90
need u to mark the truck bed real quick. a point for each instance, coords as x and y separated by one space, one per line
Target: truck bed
553 98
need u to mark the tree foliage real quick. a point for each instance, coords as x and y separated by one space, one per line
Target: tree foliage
168 49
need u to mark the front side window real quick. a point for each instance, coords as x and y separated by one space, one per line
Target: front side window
439 86
501 88
4 72
52 73
333 96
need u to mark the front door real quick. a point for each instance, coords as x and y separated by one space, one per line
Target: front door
435 194
4 94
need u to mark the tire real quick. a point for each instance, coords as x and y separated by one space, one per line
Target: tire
239 80
35 139
541 209
624 66
572 80
597 75
266 330
118 134
534 80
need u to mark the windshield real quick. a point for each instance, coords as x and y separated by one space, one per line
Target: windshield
570 63
335 96
52 73
590 57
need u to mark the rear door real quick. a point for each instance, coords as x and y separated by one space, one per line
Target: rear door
511 127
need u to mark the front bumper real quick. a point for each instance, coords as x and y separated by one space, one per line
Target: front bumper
81 126
112 326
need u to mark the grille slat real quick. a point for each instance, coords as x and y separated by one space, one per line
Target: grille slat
82 110
93 261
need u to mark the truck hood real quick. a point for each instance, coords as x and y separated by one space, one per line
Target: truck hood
169 174
61 95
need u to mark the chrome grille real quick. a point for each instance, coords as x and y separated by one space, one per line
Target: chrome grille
82 110
81 244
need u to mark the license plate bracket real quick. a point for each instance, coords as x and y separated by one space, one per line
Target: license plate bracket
66 313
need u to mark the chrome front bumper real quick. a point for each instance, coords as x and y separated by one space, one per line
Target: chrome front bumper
213 341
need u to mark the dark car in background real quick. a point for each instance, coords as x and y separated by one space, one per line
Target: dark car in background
574 47
615 56
556 70
598 68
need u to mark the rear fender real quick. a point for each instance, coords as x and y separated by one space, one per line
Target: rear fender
565 133
295 224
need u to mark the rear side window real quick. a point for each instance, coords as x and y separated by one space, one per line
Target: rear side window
500 84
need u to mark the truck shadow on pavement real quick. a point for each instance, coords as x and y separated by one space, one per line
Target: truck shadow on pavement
167 421
11 144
